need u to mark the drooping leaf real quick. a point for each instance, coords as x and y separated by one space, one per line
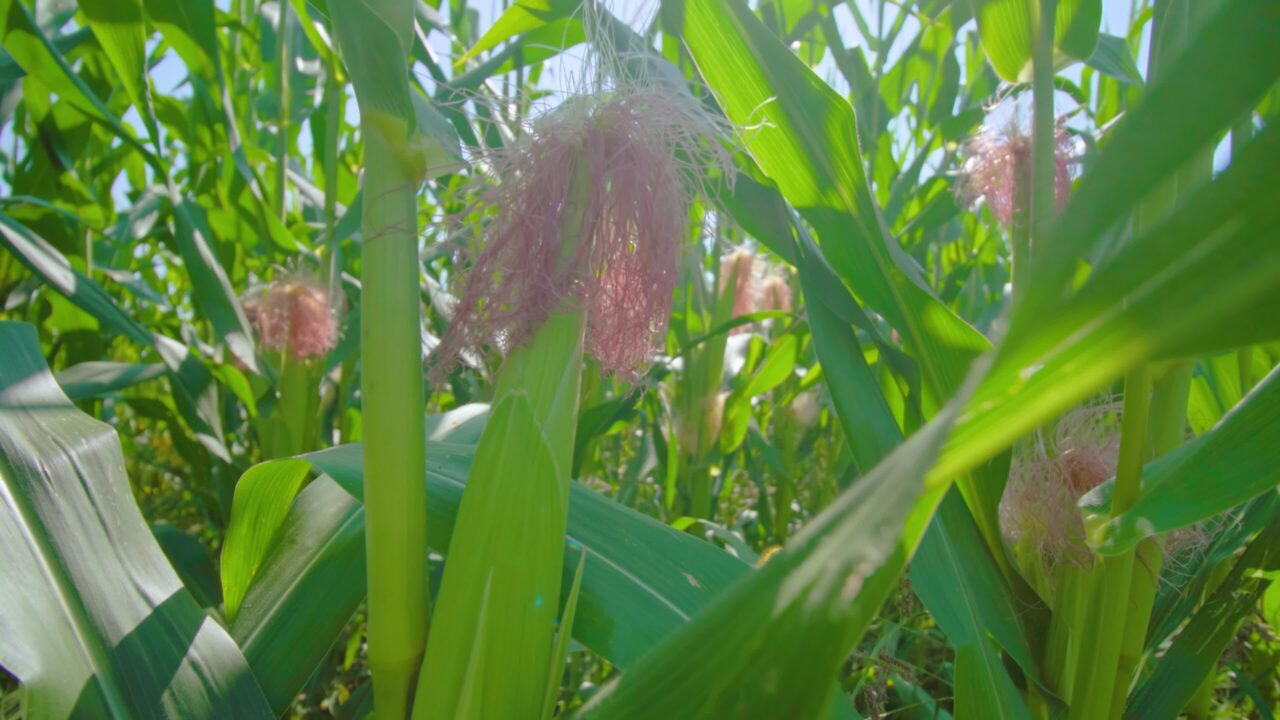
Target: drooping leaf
93 620
521 17
642 578
121 31
95 379
1113 57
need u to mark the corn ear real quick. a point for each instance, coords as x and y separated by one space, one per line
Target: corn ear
495 618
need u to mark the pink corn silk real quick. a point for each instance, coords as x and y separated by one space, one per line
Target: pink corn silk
739 266
295 315
1044 485
991 170
623 270
775 294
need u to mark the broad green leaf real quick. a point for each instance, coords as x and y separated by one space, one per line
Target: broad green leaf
523 16
262 499
955 576
1006 32
1196 649
38 57
983 687
642 578
305 591
197 396
97 379
770 645
192 562
1236 461
779 363
121 31
1113 57
533 47
93 620
509 533
10 70
188 25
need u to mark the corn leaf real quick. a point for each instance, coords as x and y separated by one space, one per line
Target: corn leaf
1195 651
89 629
1005 29
641 580
95 379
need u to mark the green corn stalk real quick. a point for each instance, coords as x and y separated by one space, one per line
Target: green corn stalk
293 427
1096 662
395 502
1043 206
491 654
695 392
375 37
1170 389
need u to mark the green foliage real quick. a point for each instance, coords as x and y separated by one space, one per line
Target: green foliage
192 520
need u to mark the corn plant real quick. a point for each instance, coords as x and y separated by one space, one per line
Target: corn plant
704 359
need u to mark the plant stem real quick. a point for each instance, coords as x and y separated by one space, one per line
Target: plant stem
299 406
282 140
1097 663
1043 204
1020 228
1240 134
395 502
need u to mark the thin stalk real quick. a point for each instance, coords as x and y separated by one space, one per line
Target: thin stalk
700 506
282 106
332 124
1020 229
1166 427
299 406
1098 660
395 502
1042 135
1240 134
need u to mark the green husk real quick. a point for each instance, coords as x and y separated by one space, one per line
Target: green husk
508 545
1095 666
492 648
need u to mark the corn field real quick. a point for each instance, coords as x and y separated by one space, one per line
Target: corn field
764 359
